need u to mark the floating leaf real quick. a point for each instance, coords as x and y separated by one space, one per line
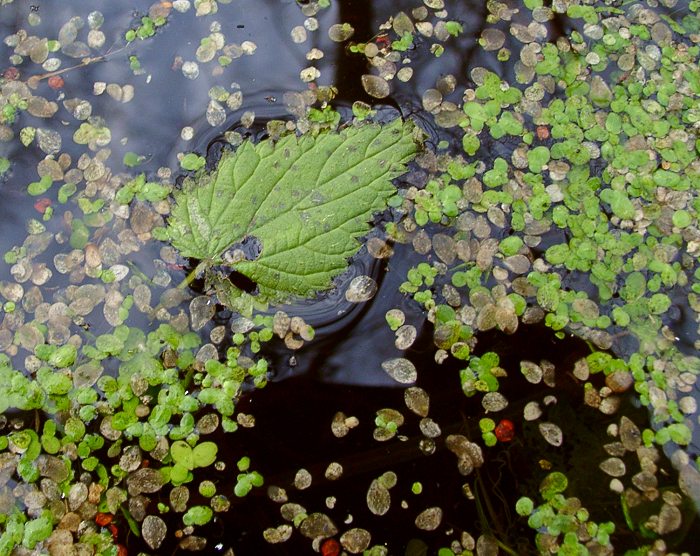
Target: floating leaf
192 161
204 454
299 204
132 159
40 187
197 515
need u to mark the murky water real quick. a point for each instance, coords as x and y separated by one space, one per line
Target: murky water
341 369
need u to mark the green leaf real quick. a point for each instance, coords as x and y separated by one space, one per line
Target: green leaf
510 245
537 158
63 356
132 159
197 515
40 187
37 530
182 454
192 161
524 506
620 204
301 202
204 454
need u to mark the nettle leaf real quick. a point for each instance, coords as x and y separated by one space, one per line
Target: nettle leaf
297 206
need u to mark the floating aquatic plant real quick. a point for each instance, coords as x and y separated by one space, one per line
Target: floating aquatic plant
288 214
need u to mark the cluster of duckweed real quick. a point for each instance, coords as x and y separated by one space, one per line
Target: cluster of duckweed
98 415
573 204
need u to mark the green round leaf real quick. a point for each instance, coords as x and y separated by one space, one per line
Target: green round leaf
182 453
204 454
198 515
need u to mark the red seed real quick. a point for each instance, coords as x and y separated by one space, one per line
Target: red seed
505 430
542 132
113 529
56 82
121 550
383 41
330 547
103 519
41 205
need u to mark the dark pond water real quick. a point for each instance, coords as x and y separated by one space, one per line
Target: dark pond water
340 370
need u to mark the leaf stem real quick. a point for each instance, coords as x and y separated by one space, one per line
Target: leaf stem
192 276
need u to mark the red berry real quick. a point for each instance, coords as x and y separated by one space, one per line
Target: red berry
56 82
330 547
103 519
41 205
505 430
